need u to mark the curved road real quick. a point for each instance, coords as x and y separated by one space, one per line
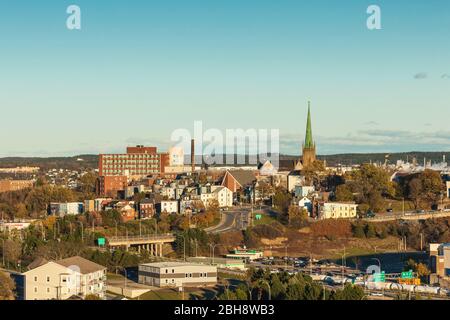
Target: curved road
236 219
227 223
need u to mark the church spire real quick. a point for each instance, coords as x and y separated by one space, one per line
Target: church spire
309 138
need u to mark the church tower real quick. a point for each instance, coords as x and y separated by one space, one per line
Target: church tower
309 147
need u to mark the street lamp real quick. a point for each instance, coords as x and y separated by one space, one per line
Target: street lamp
3 253
156 227
212 247
379 262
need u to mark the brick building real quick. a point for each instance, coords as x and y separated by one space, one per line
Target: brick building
109 186
139 161
15 185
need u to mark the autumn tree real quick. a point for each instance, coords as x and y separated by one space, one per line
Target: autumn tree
415 189
343 193
7 287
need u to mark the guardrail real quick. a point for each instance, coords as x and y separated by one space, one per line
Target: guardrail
411 216
167 236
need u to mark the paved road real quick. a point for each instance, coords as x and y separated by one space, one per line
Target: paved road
236 219
227 223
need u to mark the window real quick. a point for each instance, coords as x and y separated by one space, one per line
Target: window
35 279
35 289
48 279
173 270
48 290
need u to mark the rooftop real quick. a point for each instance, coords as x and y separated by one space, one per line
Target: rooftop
171 264
85 265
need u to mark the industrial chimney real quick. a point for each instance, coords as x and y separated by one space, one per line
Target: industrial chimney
193 155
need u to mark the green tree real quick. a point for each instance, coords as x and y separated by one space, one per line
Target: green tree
350 292
370 231
294 291
278 291
358 230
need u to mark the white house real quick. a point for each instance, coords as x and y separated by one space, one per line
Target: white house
338 210
221 194
62 279
305 203
303 191
224 196
267 169
448 189
294 179
169 206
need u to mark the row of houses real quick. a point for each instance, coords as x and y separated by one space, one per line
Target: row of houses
187 202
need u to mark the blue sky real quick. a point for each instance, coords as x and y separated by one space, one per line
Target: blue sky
140 69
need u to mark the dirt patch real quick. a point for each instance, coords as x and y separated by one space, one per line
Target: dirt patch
322 248
273 242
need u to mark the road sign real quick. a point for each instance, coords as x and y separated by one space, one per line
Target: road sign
413 281
379 277
101 242
407 274
258 217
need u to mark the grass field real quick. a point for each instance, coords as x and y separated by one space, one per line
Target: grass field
173 294
161 295
265 218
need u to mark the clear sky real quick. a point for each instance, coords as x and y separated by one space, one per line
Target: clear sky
137 70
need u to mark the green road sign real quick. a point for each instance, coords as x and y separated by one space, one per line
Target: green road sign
407 275
379 277
258 217
101 242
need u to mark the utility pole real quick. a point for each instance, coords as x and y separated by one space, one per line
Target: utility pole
82 232
421 241
3 253
286 257
140 229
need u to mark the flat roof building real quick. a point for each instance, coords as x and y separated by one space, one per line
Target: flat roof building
177 274
139 161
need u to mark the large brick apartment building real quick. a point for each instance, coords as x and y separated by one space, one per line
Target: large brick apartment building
139 161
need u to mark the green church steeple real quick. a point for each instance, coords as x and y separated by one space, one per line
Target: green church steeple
309 143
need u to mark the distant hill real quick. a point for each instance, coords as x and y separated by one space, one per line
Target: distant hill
73 163
358 158
91 161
